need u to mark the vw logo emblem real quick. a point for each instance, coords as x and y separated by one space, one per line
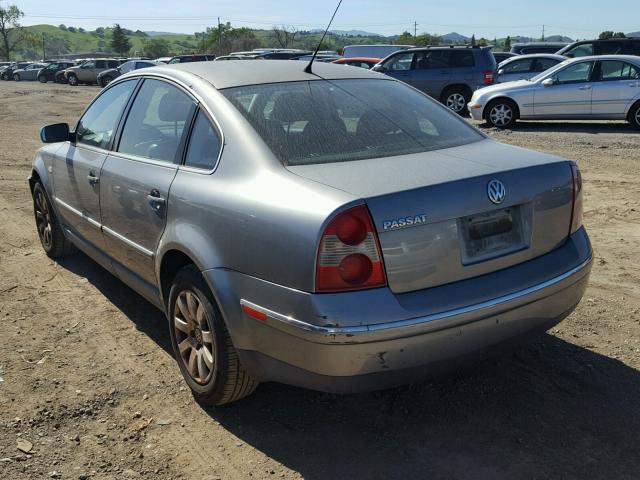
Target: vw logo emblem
496 191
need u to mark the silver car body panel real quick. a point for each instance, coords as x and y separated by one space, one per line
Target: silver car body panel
524 75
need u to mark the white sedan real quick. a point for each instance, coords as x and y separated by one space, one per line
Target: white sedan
605 87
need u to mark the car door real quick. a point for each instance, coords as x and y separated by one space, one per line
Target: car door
617 86
76 181
515 70
85 72
136 177
431 71
399 66
570 93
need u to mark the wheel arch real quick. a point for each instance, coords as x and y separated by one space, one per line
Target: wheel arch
455 86
632 107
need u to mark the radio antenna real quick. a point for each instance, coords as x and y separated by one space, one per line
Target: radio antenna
313 57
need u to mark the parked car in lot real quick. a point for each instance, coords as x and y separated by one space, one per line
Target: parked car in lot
88 71
30 72
537 47
362 62
107 76
524 67
48 73
585 88
612 46
335 230
502 56
191 58
447 73
7 73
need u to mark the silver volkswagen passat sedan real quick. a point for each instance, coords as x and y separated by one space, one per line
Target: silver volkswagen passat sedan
339 230
605 87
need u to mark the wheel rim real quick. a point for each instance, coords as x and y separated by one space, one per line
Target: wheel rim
72 80
106 81
43 219
456 102
638 117
501 115
16 78
194 337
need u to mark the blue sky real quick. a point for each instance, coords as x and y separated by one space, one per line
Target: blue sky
575 18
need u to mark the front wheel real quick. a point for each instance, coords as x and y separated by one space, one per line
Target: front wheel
72 79
16 77
106 80
50 232
201 343
634 115
42 79
501 113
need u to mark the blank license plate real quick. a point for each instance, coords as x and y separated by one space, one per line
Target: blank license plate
491 234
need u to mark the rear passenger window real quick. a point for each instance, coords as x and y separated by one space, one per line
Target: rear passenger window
462 58
610 48
543 64
204 146
97 125
433 59
615 70
156 121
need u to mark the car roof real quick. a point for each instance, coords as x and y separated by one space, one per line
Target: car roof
359 59
535 55
235 74
629 58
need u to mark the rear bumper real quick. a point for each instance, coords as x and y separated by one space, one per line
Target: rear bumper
315 353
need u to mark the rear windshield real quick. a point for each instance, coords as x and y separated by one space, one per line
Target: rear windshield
342 120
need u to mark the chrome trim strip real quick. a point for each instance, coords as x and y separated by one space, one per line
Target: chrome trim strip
124 239
412 322
78 213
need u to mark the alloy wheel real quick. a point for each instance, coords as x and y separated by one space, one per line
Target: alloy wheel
637 117
501 115
194 336
43 219
72 80
456 102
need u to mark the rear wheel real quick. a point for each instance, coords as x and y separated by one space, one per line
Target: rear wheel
634 115
4 76
50 232
42 79
16 77
72 79
201 343
456 99
106 80
501 113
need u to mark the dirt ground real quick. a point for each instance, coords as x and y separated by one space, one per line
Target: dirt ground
89 388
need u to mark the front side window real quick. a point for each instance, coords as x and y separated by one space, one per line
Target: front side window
433 59
53 66
399 62
345 120
578 72
88 65
518 66
583 50
97 125
156 121
204 145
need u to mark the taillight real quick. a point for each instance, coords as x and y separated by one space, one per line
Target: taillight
349 256
488 77
576 211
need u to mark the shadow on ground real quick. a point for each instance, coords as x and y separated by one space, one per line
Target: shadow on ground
548 409
593 127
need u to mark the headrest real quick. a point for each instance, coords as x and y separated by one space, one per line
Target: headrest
292 107
174 107
376 123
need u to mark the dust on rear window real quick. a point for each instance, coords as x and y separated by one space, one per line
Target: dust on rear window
326 121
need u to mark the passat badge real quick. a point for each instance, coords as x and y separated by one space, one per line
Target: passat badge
402 222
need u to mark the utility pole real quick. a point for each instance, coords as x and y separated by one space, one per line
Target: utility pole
543 33
415 29
44 50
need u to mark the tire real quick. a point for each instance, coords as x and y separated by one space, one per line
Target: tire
198 333
106 80
42 79
501 113
72 79
16 77
4 76
456 99
634 116
52 238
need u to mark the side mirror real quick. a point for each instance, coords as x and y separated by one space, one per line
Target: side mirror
378 68
58 132
548 82
501 71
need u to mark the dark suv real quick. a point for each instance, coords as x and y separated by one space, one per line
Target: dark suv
48 73
613 46
192 58
449 73
537 47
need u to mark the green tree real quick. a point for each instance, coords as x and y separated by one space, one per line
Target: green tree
224 39
507 44
473 39
62 26
405 39
427 39
11 33
119 41
72 29
156 47
610 34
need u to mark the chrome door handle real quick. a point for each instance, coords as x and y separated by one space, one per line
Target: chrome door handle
155 200
92 179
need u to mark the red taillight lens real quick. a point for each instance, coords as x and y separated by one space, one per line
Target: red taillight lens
488 77
349 256
576 212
